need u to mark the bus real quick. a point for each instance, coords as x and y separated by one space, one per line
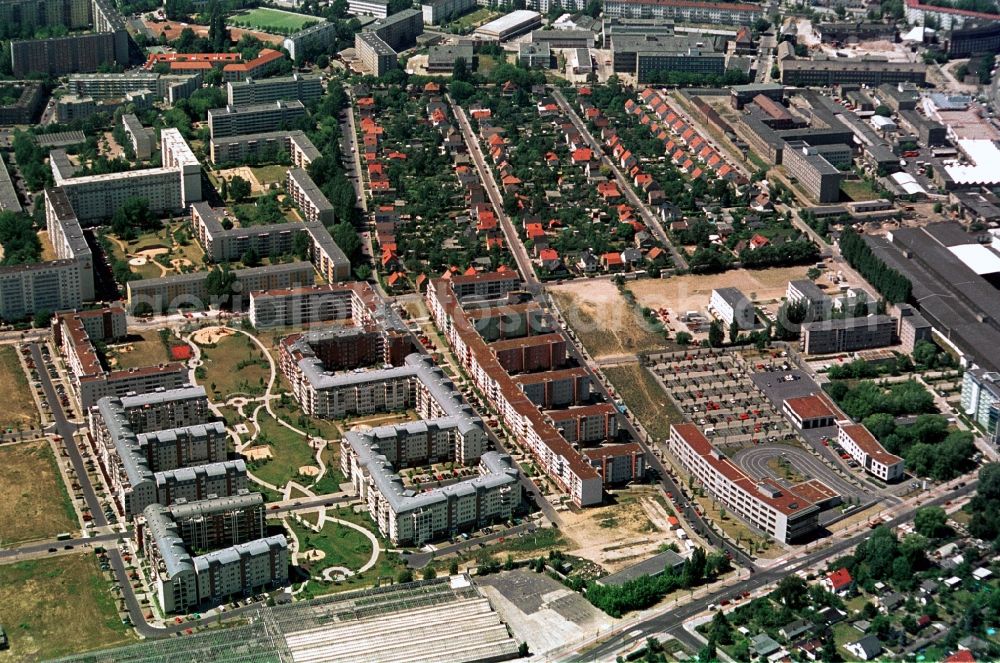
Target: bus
65 536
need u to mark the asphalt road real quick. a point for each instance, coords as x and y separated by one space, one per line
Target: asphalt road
672 620
489 182
626 186
66 430
754 460
31 549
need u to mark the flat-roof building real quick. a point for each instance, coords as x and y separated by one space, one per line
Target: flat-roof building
376 55
827 73
685 11
437 12
508 26
310 40
847 334
731 305
256 118
818 304
376 8
263 148
441 59
138 135
534 56
818 177
302 87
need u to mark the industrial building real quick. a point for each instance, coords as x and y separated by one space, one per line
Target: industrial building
765 505
534 56
511 25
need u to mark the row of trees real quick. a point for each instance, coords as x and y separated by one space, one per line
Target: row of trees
867 398
797 252
645 591
929 447
891 284
19 239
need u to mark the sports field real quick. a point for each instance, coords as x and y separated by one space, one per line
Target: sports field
273 20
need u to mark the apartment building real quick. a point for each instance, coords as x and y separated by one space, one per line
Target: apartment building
166 408
167 293
182 463
946 17
847 334
254 119
214 523
618 465
27 106
264 147
818 177
312 204
511 321
818 304
30 15
858 441
437 12
556 456
731 305
400 30
47 286
88 378
586 424
184 62
303 87
913 328
96 197
685 11
827 73
377 56
177 155
169 87
311 40
139 137
355 301
556 389
981 399
376 8
765 505
543 352
108 44
184 581
68 241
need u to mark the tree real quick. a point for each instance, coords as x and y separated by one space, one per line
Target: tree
593 9
131 217
522 650
931 521
404 576
239 188
460 70
985 506
734 332
42 318
429 573
715 335
323 61
683 339
883 111
792 591
453 568
220 285
720 630
250 258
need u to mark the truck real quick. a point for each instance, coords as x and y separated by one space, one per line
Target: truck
64 536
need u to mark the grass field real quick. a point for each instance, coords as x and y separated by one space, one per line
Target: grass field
644 396
234 366
56 607
857 190
34 503
474 19
289 452
273 20
342 546
19 410
268 174
145 350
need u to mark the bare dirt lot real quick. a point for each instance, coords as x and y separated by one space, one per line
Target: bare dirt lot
622 534
692 292
603 320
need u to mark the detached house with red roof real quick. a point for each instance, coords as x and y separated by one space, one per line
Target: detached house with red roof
839 582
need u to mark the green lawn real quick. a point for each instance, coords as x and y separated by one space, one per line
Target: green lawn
234 365
289 452
267 174
273 20
341 546
290 411
475 18
20 411
55 607
144 349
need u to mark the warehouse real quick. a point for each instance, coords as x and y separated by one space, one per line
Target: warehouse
513 24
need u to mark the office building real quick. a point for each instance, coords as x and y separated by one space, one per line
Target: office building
818 304
442 59
511 25
534 56
685 11
847 334
862 446
254 119
815 174
641 27
564 38
438 12
310 41
272 146
731 305
827 73
376 55
302 87
376 8
167 293
765 505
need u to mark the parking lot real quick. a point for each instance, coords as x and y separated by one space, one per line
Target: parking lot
714 389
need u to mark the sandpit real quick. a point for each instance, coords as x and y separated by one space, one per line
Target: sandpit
211 335
309 471
257 453
151 252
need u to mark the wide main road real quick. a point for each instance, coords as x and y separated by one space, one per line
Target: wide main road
493 191
671 620
626 186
